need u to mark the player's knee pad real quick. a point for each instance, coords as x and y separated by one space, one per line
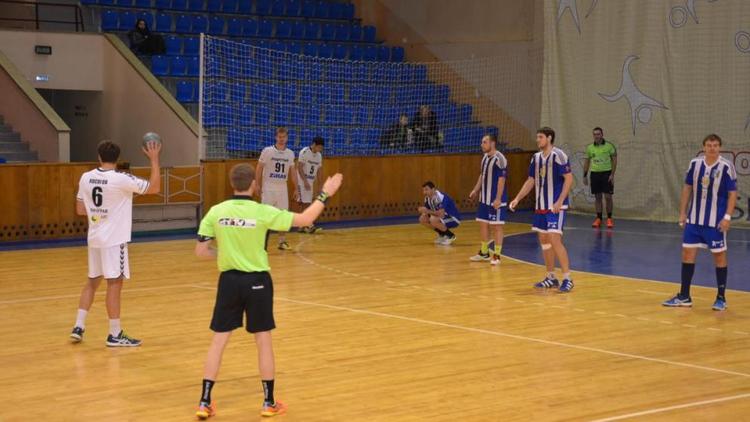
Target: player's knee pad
546 246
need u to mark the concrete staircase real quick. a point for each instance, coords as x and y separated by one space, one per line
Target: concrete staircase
12 149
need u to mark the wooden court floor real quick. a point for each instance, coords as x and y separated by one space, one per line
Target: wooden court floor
374 324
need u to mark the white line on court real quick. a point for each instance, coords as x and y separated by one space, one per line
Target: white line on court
676 407
77 295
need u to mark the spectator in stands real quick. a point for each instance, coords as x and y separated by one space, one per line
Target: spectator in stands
426 135
142 41
398 135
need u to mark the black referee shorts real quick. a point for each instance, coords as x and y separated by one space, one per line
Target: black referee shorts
600 183
249 293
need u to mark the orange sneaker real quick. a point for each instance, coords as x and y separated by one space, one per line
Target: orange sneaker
277 409
610 223
204 412
596 223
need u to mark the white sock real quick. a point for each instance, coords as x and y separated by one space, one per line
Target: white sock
81 318
551 275
566 276
114 327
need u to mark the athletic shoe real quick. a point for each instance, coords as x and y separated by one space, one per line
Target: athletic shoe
596 223
304 230
76 336
495 260
269 410
610 223
677 301
480 257
448 240
566 286
439 240
720 304
122 340
547 283
315 229
205 411
284 246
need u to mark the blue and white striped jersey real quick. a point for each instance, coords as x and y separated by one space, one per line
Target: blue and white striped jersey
548 173
711 187
442 201
494 167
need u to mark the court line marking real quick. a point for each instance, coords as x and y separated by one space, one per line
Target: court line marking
675 407
78 295
673 236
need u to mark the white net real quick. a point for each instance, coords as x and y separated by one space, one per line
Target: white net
358 107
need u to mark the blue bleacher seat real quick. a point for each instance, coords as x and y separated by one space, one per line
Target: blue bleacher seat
216 92
237 92
88 2
308 8
163 22
359 72
293 7
442 93
193 66
340 51
106 2
213 66
229 6
348 11
278 7
336 93
312 29
420 73
185 91
265 28
356 94
277 45
289 70
110 19
384 53
293 47
397 54
174 45
143 4
356 53
127 21
258 93
179 4
198 24
124 3
195 5
235 139
336 11
355 32
343 32
325 51
246 115
216 25
249 27
191 46
328 31
368 33
236 69
362 115
182 24
263 7
214 115
177 66
162 4
265 68
283 29
212 6
310 49
289 93
263 115
307 93
315 71
298 30
234 27
370 53
322 9
160 65
244 7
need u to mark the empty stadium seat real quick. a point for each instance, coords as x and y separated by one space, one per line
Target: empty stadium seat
278 7
384 53
370 53
244 7
322 9
124 3
127 20
283 29
193 66
229 6
143 4
182 23
263 7
191 45
179 4
174 45
265 28
160 65
177 66
185 91
397 54
196 5
355 32
294 47
215 92
110 19
216 25
163 4
234 27
328 31
340 51
198 24
368 33
325 51
249 27
293 7
163 22
237 92
312 29
310 49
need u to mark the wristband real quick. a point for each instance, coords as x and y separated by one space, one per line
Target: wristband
727 217
322 197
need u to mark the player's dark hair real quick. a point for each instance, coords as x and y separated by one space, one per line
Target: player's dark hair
712 137
428 184
241 177
108 151
318 140
492 137
599 129
281 130
547 131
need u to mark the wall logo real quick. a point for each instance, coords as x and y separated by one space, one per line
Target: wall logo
641 105
572 5
678 15
742 41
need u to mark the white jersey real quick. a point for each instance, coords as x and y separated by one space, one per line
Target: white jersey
108 197
310 163
276 167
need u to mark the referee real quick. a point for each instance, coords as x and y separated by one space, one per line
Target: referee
601 158
239 227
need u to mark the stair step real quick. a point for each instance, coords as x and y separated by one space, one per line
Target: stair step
13 147
10 137
19 156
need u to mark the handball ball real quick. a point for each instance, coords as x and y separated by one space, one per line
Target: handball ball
151 137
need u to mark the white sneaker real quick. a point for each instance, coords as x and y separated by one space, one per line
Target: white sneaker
448 240
479 257
439 240
495 260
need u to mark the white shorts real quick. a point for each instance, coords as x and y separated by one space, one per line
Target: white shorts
111 262
305 196
275 198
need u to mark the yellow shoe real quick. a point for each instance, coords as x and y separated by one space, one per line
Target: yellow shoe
277 409
204 412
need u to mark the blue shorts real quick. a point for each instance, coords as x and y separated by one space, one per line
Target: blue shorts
549 222
488 214
706 237
450 222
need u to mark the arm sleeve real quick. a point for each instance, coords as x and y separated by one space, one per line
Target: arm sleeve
134 184
502 166
207 226
276 219
79 195
613 153
689 174
731 178
264 156
562 164
531 168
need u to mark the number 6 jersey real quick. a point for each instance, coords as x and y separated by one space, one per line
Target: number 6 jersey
108 197
276 166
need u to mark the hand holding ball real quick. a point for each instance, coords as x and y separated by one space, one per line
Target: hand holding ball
151 137
152 145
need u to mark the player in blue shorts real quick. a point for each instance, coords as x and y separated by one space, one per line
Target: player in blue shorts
439 213
493 198
711 189
550 177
